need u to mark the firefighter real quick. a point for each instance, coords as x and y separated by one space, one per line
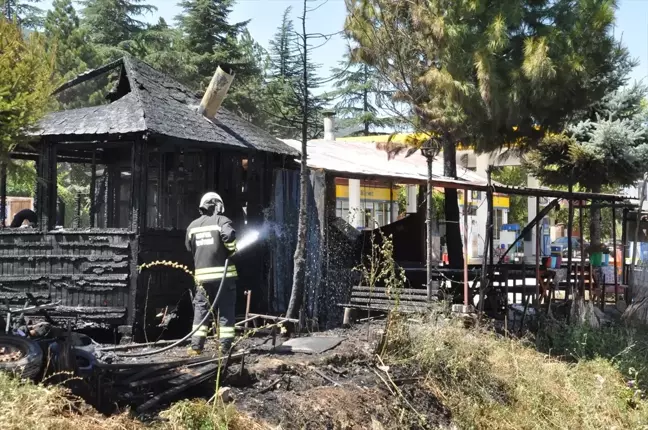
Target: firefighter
211 239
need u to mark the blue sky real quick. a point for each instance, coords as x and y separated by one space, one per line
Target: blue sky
265 16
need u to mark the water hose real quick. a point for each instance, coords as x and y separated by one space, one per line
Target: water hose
173 345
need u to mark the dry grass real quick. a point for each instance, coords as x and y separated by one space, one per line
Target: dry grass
493 383
24 405
486 382
200 415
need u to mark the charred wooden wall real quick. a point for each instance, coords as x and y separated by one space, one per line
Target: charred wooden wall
161 287
88 272
244 181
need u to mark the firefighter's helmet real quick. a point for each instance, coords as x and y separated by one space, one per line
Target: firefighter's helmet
212 200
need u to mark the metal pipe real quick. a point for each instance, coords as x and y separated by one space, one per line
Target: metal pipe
491 229
614 249
33 308
537 251
428 222
391 204
624 244
580 227
465 247
570 223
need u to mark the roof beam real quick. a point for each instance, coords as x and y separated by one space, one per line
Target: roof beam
83 77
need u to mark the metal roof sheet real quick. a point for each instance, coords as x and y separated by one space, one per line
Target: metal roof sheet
365 159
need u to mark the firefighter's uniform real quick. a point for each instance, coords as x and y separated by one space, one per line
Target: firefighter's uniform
211 239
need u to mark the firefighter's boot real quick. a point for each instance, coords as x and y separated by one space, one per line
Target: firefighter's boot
193 352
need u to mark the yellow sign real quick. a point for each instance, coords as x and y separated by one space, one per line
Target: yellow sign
474 199
501 201
367 193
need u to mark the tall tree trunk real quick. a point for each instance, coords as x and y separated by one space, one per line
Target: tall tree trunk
365 100
451 207
595 220
299 274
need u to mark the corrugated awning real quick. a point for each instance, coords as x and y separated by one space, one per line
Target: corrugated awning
364 159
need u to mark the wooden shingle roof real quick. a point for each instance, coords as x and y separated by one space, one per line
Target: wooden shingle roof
158 105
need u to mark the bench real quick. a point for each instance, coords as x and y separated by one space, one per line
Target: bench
406 300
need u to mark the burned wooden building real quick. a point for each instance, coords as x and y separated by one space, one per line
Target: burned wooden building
148 156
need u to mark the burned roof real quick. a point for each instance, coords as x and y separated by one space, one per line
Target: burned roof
157 104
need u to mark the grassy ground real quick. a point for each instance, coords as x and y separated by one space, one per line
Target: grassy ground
24 405
491 382
29 406
580 379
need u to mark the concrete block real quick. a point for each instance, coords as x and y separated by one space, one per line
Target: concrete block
463 309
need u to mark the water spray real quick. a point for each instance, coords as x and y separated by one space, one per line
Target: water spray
248 239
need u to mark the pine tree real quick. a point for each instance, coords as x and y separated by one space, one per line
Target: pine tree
250 103
74 53
209 36
360 93
283 50
28 16
210 40
608 148
288 100
489 74
164 48
113 26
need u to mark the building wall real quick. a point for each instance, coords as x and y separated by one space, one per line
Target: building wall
379 204
375 197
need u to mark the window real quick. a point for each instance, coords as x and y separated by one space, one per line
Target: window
376 214
370 215
73 201
498 217
342 209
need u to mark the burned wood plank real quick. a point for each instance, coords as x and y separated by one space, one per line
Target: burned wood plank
93 183
187 382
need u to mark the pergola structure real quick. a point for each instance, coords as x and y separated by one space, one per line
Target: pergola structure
146 158
364 161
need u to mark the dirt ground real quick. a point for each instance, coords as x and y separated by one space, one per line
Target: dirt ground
346 387
343 388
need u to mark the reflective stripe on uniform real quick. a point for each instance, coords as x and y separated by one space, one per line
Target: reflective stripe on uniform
201 332
203 229
211 273
225 332
231 246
